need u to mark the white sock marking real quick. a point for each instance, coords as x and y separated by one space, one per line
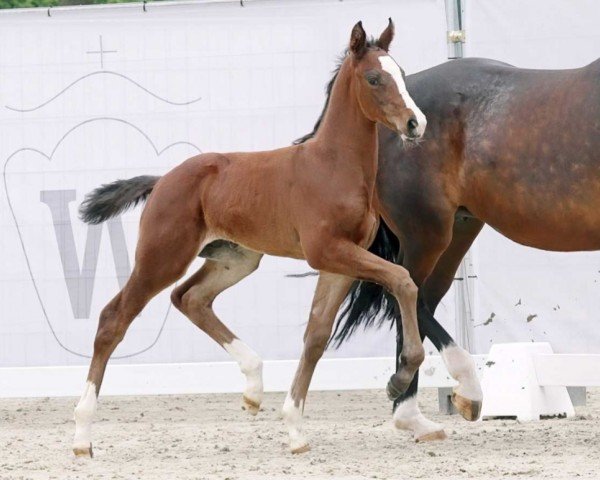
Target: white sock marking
251 365
292 417
461 367
389 65
408 416
84 414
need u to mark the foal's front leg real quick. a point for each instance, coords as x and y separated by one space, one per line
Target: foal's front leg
348 260
330 293
352 260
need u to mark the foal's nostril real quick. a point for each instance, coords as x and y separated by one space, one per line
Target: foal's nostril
412 126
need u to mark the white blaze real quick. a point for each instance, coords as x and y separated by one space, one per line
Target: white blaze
389 65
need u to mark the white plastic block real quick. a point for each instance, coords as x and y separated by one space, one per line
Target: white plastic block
511 387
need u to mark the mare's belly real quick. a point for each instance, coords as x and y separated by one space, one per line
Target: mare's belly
541 218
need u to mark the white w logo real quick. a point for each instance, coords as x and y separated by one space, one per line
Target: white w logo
80 280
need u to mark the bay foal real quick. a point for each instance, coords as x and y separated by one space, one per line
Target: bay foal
314 201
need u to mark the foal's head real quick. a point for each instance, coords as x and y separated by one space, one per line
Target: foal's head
380 87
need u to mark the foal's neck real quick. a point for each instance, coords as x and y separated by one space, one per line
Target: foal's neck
345 126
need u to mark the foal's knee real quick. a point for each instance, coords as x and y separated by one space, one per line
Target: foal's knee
406 290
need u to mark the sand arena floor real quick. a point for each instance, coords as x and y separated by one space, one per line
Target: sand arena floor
351 433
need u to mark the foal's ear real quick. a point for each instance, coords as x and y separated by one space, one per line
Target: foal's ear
358 40
386 37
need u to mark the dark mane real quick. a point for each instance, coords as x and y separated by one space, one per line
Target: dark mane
371 43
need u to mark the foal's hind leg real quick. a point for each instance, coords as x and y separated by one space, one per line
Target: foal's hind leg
331 291
195 297
161 259
114 321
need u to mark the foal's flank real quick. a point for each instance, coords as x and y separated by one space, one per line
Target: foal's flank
314 201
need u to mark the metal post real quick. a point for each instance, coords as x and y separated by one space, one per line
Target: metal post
465 289
456 33
465 285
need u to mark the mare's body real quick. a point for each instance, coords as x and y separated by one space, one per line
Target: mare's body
517 149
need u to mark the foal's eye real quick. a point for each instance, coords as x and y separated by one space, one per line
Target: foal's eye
373 81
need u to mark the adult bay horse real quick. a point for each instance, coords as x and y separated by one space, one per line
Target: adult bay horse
514 148
314 201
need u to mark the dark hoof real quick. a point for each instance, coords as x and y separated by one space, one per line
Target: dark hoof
395 388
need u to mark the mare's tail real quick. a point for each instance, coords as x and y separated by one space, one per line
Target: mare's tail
113 198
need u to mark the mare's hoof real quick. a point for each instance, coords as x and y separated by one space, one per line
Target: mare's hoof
251 406
432 437
84 452
469 409
301 449
395 388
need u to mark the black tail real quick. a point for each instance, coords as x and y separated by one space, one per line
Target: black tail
368 303
113 198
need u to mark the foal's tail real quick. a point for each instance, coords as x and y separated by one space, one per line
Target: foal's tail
113 198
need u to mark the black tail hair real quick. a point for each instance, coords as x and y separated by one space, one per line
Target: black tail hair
113 198
367 303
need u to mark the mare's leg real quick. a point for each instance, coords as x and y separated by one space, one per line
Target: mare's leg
420 251
161 258
195 297
407 414
467 396
422 248
331 291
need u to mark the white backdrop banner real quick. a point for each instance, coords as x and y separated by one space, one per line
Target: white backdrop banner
90 95
524 294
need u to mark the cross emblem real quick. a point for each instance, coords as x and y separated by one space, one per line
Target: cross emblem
101 52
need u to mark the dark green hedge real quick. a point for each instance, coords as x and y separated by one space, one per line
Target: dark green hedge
53 3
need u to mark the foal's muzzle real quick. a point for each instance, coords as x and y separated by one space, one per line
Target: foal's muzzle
412 128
